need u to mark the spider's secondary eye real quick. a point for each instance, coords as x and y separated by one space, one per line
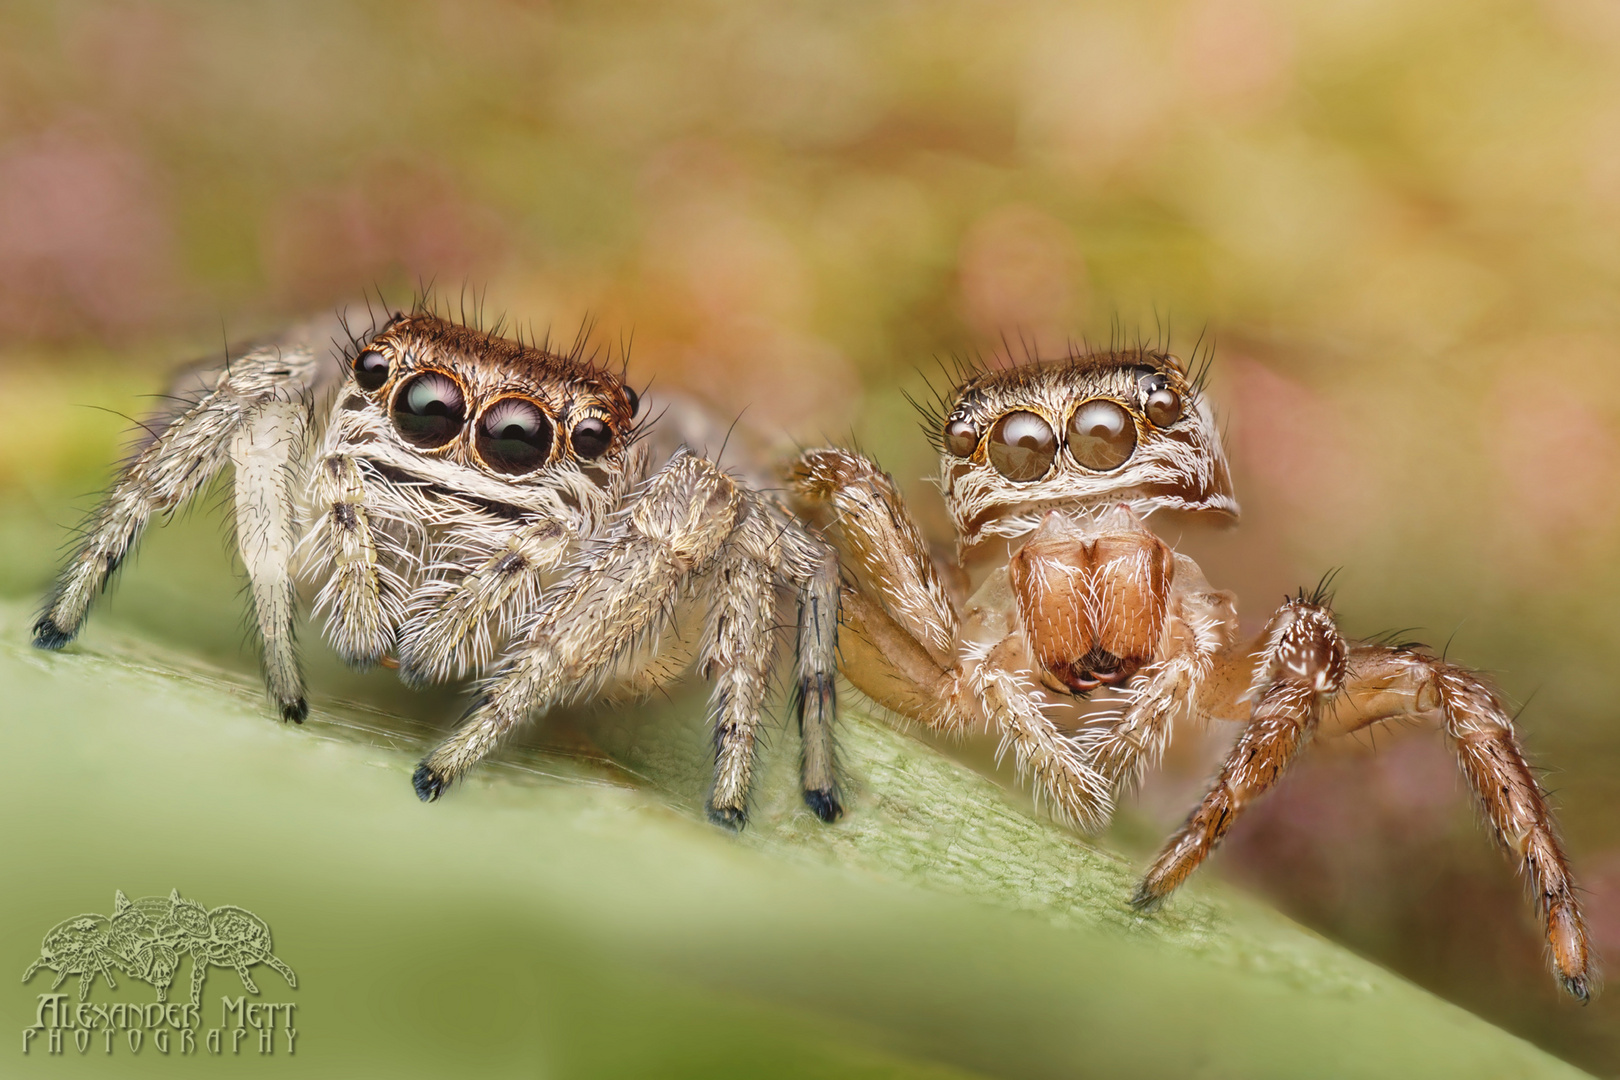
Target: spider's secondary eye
429 410
1164 407
1022 446
961 438
591 438
370 370
635 400
1102 435
513 436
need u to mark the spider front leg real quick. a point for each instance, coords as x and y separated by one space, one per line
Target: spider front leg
446 627
903 626
680 526
1302 667
1200 628
902 648
267 451
854 501
363 597
1307 678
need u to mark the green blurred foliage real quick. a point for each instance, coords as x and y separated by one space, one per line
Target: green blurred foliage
1401 222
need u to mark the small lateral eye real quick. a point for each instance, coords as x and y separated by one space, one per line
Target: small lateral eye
1022 446
429 410
513 436
591 438
1102 435
370 370
635 401
1163 407
961 438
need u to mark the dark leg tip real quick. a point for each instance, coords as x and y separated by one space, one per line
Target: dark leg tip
729 817
408 671
823 802
1146 902
295 711
429 785
47 635
1578 988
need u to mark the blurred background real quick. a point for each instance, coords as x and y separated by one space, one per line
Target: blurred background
1400 223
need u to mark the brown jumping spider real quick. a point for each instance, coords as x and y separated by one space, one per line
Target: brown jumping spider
1078 635
474 504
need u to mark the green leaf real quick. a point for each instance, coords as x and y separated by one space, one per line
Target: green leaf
568 914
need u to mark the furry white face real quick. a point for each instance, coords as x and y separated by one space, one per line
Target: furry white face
462 439
464 434
1082 433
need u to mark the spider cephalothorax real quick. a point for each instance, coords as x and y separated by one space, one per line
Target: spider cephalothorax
475 504
1079 636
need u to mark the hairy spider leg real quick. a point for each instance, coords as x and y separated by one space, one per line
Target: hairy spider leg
268 451
1306 679
736 657
446 628
363 595
252 411
902 649
687 522
815 693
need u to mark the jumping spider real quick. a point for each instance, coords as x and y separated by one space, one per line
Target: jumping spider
470 503
1068 627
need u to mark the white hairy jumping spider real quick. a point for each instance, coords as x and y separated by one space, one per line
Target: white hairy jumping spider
472 504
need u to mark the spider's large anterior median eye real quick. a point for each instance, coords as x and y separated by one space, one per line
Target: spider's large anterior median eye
429 410
370 370
513 436
1102 435
591 438
1022 446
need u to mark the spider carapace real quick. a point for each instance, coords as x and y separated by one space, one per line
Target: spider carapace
1072 630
